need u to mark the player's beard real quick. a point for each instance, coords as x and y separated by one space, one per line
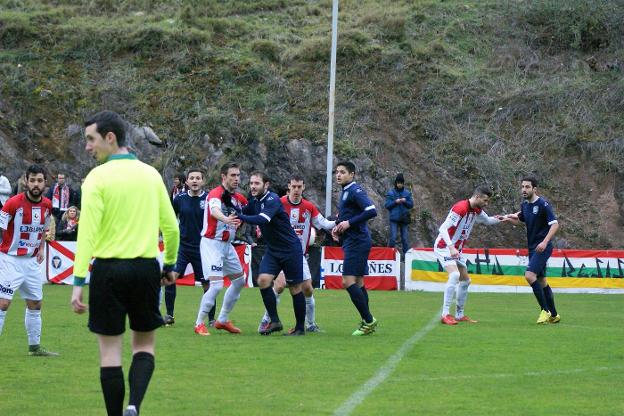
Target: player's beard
34 193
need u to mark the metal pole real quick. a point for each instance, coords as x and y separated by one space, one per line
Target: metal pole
330 129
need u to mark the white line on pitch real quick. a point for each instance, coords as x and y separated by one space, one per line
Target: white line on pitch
382 374
525 374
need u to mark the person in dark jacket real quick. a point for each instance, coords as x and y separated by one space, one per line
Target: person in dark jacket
399 202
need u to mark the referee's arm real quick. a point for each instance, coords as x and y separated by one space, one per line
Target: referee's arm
90 219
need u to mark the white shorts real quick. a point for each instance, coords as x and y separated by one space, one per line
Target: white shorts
444 257
20 273
218 258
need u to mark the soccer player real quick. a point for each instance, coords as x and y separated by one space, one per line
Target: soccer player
453 234
303 215
284 252
124 204
24 220
541 224
354 210
189 207
218 255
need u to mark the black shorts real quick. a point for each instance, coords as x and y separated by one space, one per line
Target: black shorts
186 256
120 287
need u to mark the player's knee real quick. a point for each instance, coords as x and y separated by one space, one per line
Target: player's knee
264 281
466 282
4 304
33 305
239 281
453 278
308 290
216 285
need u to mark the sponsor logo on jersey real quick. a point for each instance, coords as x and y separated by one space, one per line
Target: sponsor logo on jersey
31 228
216 268
23 243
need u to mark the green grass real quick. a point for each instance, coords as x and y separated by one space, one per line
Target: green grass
504 365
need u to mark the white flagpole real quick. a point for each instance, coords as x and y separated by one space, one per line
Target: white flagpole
330 130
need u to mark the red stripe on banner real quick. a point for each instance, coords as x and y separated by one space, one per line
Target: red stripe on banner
556 252
62 276
62 249
370 282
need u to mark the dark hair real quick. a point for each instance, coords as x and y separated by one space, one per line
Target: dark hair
296 177
531 179
227 166
35 169
192 170
350 166
263 176
109 122
483 190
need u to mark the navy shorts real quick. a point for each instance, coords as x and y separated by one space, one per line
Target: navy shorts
356 257
537 261
189 255
120 287
290 263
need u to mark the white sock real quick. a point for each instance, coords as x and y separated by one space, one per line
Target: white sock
310 318
231 297
208 300
2 316
32 322
462 294
449 292
277 297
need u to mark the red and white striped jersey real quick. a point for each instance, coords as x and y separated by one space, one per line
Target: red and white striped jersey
214 228
303 216
24 223
461 218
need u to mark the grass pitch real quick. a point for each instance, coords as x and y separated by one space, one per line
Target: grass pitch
504 365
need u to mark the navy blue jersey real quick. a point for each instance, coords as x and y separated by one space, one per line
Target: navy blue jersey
538 217
268 213
356 207
190 212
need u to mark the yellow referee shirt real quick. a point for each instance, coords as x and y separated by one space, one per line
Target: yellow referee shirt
124 204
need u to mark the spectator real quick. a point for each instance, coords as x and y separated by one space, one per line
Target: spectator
20 185
179 186
399 202
78 194
5 190
67 229
62 197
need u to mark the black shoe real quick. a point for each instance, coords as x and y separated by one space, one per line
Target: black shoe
294 332
273 327
169 320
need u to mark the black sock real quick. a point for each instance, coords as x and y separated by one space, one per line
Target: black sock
539 295
365 293
358 299
550 300
211 314
170 296
140 374
299 306
113 389
270 303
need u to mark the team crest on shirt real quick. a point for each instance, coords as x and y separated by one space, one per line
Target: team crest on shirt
535 209
202 204
345 196
36 214
294 214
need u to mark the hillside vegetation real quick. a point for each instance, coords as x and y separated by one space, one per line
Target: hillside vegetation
453 93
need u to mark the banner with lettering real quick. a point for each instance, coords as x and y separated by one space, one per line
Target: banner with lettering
384 268
584 270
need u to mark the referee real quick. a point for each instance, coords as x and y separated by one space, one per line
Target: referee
124 205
